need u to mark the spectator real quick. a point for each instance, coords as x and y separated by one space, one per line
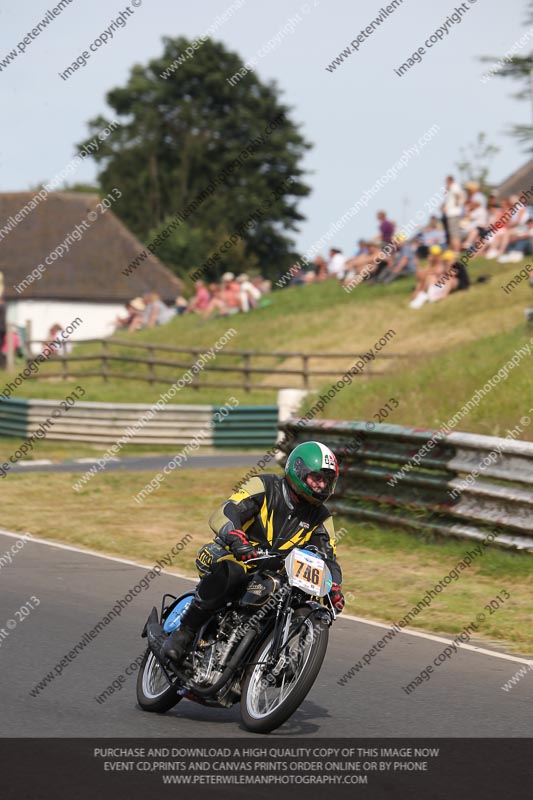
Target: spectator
156 312
226 298
321 268
386 227
476 222
401 262
336 264
133 321
200 300
430 286
473 194
496 244
55 345
453 209
181 305
249 294
521 244
456 271
432 234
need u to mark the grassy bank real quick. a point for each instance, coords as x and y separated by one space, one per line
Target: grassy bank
453 348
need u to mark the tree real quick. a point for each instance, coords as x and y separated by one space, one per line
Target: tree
192 143
474 162
519 68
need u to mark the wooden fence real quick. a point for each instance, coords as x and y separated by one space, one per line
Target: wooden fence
106 365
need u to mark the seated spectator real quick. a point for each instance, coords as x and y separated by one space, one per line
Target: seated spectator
297 272
474 195
455 271
321 268
496 244
133 321
200 300
336 264
366 264
521 244
249 294
401 262
225 299
362 248
156 312
475 223
432 234
431 285
181 305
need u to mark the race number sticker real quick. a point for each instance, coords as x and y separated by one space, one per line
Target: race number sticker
307 572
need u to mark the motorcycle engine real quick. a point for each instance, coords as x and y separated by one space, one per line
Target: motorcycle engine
214 650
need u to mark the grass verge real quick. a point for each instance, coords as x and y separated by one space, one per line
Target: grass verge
387 571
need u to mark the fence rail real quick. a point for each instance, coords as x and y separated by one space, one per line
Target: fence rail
303 374
435 495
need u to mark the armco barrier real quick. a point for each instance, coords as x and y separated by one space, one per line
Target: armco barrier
247 426
433 496
171 425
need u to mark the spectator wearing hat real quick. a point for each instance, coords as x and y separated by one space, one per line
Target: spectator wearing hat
476 222
429 280
455 272
135 311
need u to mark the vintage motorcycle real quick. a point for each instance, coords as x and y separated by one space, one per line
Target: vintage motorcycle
264 650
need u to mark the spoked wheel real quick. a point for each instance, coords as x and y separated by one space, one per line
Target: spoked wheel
154 693
271 695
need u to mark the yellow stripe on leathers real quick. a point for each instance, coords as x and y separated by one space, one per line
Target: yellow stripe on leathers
300 537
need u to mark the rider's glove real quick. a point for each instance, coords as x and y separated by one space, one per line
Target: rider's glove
240 546
336 597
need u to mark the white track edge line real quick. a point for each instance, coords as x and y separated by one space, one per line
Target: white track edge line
420 634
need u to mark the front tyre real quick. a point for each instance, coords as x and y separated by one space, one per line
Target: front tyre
270 697
153 690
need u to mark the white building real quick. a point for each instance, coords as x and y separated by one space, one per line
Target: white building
63 257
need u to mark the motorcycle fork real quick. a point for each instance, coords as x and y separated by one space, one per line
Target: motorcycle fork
281 631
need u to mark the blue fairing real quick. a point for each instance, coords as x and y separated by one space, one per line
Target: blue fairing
173 620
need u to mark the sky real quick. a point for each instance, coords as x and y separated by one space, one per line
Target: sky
360 117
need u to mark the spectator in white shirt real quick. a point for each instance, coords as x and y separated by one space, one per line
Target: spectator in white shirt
248 293
452 209
336 264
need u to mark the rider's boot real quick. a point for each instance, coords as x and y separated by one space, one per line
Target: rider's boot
179 641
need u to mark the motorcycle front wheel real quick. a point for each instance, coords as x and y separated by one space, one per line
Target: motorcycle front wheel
270 697
154 693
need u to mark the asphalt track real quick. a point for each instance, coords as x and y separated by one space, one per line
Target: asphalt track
76 589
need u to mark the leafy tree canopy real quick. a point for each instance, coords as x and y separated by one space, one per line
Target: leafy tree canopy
227 157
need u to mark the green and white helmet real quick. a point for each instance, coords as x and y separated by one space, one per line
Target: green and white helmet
305 459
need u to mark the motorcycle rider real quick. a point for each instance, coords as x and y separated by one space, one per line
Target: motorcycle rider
270 512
